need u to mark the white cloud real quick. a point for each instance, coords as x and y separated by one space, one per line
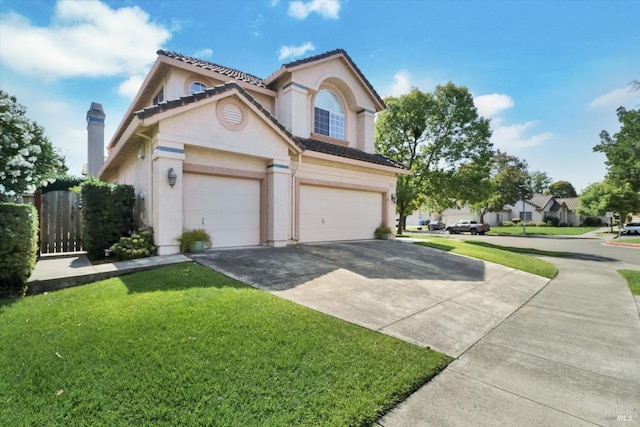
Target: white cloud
514 138
203 53
614 99
292 52
401 83
492 105
274 3
86 39
129 88
325 8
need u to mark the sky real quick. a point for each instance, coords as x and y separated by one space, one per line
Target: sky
549 74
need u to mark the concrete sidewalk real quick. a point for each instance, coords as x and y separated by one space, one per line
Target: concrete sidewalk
570 356
53 272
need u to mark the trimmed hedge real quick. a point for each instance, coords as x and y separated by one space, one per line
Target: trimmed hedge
107 214
19 248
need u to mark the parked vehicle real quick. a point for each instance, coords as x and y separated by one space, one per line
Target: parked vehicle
436 225
466 226
631 228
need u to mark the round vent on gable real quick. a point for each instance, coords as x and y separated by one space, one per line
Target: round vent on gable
232 114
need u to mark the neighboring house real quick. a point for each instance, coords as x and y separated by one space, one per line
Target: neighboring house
535 209
273 161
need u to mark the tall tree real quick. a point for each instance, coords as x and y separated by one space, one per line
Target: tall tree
561 189
437 136
508 182
27 157
540 181
609 196
623 149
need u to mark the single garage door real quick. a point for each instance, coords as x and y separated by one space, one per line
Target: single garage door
228 208
330 214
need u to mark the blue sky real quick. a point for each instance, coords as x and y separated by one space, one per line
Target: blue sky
549 74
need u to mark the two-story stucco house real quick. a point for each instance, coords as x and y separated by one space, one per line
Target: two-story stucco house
273 161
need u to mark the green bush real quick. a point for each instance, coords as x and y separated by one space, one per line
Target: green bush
138 245
516 220
541 224
19 248
563 224
508 224
107 215
190 236
592 221
554 221
63 183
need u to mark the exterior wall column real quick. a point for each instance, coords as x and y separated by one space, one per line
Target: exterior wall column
365 124
294 109
278 202
167 201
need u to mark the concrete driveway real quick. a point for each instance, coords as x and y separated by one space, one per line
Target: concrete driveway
421 295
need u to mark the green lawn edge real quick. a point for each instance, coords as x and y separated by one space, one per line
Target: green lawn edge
633 280
503 255
184 345
541 231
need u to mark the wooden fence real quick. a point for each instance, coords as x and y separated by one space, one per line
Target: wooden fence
60 222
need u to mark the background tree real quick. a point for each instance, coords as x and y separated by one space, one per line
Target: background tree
561 189
437 136
540 181
608 196
27 158
623 149
508 182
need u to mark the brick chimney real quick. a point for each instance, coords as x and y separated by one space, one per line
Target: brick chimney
95 138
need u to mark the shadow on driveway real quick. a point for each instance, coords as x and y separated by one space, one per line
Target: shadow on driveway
276 269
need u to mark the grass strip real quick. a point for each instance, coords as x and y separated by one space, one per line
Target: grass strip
495 254
183 345
531 251
542 231
633 280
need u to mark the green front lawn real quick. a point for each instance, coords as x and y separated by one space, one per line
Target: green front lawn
624 239
633 280
504 255
544 231
185 346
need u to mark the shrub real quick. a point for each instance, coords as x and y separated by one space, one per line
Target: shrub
107 214
190 236
18 251
541 224
554 221
531 224
138 245
592 221
563 224
508 224
382 231
516 220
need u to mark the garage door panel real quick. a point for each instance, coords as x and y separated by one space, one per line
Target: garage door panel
228 208
328 214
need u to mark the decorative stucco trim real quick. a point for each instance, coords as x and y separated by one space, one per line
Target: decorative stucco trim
364 110
294 84
275 165
168 149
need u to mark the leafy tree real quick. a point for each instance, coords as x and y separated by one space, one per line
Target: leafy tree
441 139
27 158
508 182
561 189
609 196
623 149
540 181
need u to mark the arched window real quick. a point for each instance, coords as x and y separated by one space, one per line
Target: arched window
328 115
196 87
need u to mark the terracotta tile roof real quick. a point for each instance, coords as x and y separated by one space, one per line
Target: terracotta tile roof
331 53
347 152
229 72
540 200
573 203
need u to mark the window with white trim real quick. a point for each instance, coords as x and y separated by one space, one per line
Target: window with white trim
159 97
526 216
196 87
328 115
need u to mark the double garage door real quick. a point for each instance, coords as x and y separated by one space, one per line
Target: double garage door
331 214
228 208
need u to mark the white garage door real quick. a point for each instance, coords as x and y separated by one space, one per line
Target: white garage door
329 214
228 208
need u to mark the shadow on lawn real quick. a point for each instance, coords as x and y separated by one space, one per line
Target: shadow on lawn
178 278
533 251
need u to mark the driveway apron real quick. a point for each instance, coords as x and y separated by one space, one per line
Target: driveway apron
422 295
